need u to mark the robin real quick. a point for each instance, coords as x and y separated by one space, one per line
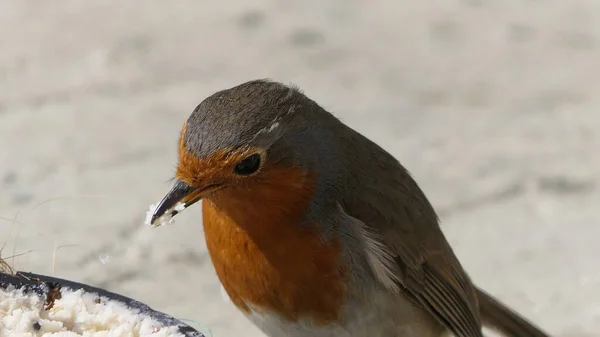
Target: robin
314 230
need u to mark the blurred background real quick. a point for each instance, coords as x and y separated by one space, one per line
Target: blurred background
491 104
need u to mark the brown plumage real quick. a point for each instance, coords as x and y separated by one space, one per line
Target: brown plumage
314 230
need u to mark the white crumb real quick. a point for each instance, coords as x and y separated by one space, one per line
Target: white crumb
104 258
76 313
165 219
179 207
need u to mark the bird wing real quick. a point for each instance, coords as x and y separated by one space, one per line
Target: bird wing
411 255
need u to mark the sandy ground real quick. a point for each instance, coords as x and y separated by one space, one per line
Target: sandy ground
492 105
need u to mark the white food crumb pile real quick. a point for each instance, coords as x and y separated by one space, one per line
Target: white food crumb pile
165 219
76 313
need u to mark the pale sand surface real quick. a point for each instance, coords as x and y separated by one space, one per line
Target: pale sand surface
492 105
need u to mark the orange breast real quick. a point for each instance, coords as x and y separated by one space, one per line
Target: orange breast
265 258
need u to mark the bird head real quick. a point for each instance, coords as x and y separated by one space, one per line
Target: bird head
254 143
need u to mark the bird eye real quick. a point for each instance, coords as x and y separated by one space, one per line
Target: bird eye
248 165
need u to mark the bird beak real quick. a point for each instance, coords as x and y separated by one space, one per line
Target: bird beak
180 197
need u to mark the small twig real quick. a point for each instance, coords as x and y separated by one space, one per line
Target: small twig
67 197
24 253
56 248
16 239
5 266
12 220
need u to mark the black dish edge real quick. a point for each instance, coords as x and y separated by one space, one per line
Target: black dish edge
41 284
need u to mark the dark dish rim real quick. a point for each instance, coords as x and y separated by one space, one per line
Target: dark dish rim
43 285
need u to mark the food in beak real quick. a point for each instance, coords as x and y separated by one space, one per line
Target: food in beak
166 218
